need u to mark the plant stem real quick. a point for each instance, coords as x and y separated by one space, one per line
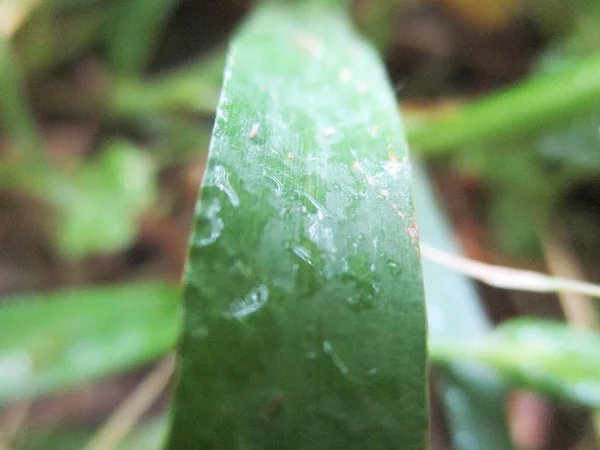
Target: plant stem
129 413
579 310
509 278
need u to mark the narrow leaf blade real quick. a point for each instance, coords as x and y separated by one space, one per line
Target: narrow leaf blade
305 324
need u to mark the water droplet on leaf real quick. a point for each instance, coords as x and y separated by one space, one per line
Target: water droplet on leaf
209 225
252 302
361 292
393 267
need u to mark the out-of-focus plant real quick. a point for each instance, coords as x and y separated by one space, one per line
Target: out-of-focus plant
530 144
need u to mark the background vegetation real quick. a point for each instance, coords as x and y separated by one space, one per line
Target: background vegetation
106 109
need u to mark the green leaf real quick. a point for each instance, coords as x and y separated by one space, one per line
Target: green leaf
17 121
51 341
304 324
148 436
549 357
538 104
78 25
99 204
472 394
192 88
575 146
136 24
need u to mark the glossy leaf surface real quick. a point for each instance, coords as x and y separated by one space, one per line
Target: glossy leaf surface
304 324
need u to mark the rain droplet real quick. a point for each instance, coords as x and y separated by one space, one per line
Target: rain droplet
361 292
328 350
278 185
211 222
200 332
393 267
220 179
312 205
252 302
304 254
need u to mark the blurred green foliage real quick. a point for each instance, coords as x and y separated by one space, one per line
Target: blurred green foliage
100 203
52 341
531 145
535 354
472 395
